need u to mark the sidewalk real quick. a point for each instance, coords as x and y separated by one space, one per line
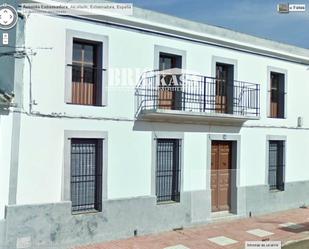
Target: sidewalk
285 226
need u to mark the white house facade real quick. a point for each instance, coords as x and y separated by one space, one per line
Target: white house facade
95 146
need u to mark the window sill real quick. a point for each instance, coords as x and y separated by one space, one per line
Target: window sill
167 203
277 118
68 103
275 190
86 212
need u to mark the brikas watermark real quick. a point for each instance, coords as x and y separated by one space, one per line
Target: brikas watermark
165 80
287 8
170 79
81 9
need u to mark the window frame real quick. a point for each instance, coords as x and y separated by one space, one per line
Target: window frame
96 67
102 40
175 195
278 139
277 92
66 172
284 72
97 202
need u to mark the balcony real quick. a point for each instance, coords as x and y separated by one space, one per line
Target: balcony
176 96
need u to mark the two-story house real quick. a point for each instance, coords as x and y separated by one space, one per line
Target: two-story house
129 125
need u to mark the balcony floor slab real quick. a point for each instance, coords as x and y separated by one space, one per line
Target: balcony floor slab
177 116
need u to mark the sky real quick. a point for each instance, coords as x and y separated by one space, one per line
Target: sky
255 17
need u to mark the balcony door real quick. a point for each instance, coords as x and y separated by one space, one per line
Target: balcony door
224 88
169 95
84 73
277 95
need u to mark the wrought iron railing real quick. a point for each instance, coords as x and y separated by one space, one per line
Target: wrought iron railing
196 93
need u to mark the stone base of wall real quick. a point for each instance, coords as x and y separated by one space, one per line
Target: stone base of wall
53 225
2 233
259 200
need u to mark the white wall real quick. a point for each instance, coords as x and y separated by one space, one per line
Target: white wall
129 152
195 159
5 155
134 50
40 168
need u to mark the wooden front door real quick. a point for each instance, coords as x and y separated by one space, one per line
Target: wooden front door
167 96
221 152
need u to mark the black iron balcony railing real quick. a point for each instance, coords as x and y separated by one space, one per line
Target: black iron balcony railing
196 93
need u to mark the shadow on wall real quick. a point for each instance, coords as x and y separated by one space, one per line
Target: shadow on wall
176 127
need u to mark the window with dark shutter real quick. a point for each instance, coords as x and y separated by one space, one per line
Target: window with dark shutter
277 95
276 165
86 73
168 170
86 175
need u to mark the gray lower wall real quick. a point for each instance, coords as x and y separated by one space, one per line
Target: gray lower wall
2 232
53 225
259 200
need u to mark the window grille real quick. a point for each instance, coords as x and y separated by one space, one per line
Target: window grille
276 165
168 170
86 175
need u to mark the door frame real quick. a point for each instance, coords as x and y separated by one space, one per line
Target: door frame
171 97
223 60
218 185
228 61
168 50
238 204
228 97
271 69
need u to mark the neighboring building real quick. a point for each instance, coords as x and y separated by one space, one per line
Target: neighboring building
95 149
